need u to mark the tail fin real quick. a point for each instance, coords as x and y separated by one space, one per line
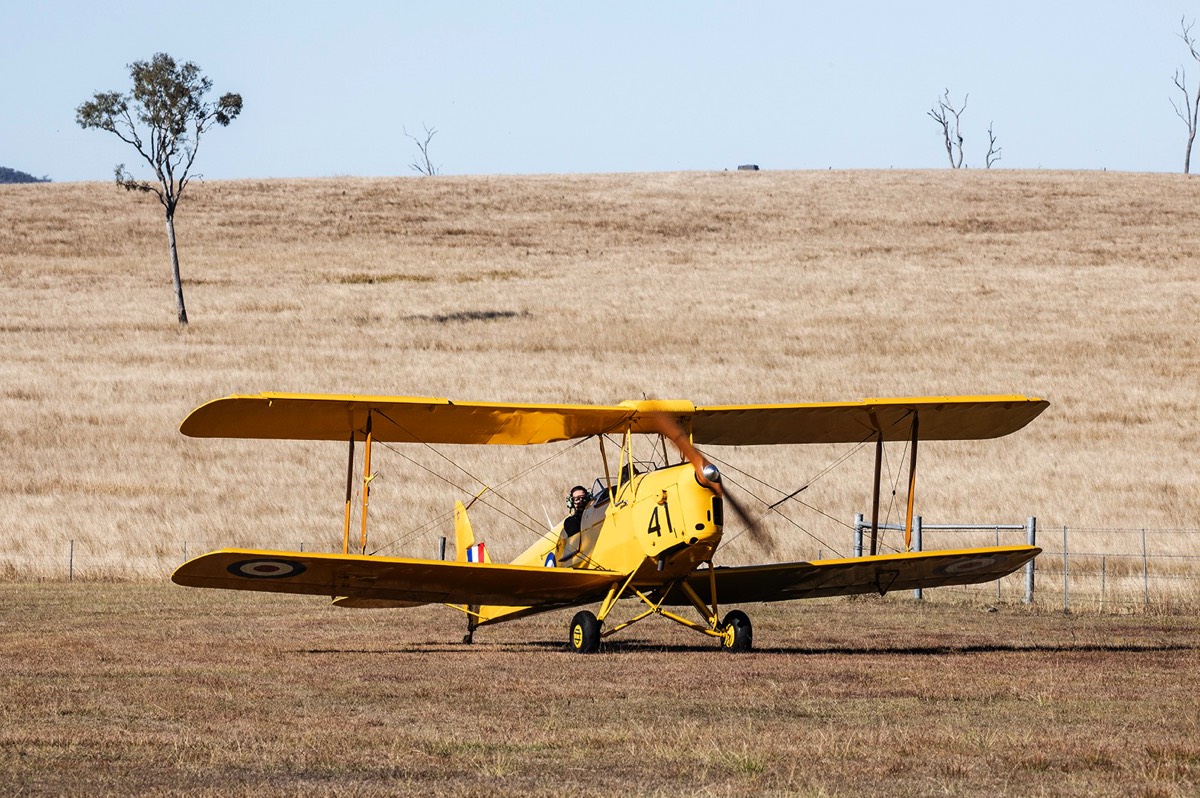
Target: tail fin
466 547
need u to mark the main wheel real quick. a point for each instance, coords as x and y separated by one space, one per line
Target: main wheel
739 634
585 633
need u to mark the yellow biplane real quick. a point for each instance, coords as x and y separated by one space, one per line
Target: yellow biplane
645 534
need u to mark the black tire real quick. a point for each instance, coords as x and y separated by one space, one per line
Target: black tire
585 633
742 638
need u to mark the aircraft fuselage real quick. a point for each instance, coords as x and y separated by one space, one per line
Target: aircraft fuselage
661 525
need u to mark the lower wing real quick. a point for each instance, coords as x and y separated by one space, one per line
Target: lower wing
371 581
880 574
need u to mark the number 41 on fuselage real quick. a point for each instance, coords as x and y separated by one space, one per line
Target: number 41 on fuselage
650 537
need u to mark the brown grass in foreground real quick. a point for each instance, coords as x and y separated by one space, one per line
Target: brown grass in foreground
156 690
721 288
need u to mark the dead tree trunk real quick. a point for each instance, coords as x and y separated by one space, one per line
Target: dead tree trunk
422 165
1191 105
949 117
993 153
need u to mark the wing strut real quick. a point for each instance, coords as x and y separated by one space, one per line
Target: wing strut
349 495
367 477
912 484
607 474
875 490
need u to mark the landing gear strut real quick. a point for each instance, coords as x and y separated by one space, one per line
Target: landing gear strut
734 632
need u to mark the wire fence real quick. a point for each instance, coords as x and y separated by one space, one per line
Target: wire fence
82 560
1080 568
1107 570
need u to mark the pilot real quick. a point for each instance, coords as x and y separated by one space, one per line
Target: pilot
576 503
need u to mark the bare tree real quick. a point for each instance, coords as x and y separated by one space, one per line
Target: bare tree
163 118
1191 105
993 153
422 165
949 117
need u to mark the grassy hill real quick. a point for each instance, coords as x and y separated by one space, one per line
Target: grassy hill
1082 288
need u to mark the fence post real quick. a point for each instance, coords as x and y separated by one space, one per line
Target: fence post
1031 539
442 547
71 562
858 528
1145 573
997 531
1103 580
918 594
1066 582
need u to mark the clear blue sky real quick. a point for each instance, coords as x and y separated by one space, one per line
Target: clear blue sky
537 87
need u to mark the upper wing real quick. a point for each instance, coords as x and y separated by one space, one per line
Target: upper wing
430 420
880 574
392 579
396 419
942 418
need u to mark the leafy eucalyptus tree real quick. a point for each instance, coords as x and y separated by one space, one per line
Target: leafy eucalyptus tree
163 118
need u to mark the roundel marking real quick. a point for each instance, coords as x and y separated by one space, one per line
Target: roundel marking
970 566
267 569
551 561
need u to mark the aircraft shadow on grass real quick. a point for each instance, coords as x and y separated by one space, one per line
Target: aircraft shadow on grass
650 647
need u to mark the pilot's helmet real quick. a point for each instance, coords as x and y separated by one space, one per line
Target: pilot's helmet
587 496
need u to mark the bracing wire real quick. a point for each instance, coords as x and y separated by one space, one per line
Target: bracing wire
828 469
823 472
775 510
535 526
726 467
895 484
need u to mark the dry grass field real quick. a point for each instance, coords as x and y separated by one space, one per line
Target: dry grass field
1081 288
147 689
721 288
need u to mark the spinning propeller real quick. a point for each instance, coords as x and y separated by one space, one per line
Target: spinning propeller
709 475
